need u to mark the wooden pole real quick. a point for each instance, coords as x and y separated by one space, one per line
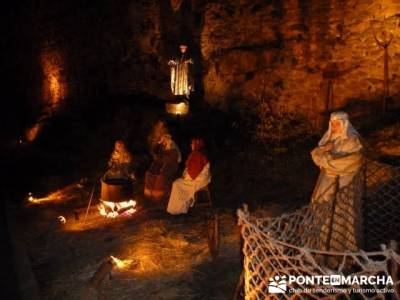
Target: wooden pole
213 236
385 78
384 41
90 202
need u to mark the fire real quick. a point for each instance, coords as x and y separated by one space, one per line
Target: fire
67 193
115 209
31 198
122 264
56 196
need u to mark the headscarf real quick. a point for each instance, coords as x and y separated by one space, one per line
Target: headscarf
348 131
120 155
171 145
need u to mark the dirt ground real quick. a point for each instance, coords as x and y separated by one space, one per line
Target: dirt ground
164 257
160 256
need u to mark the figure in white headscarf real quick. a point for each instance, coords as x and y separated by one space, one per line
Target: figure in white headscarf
339 155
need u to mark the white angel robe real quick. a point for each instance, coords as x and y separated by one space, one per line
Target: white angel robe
183 190
182 82
338 168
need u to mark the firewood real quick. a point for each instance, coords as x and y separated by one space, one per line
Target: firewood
213 236
93 287
98 277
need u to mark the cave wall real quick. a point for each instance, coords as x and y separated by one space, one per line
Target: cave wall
290 46
90 49
84 50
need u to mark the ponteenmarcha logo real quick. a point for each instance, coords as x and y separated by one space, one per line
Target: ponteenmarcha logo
277 285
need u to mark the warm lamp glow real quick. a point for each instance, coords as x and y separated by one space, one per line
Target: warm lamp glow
177 109
54 82
32 133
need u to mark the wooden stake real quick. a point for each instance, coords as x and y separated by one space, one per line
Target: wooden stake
90 202
213 236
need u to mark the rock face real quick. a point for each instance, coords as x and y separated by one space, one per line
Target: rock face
295 47
297 51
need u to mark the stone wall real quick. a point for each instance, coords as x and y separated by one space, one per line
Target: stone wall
291 45
289 48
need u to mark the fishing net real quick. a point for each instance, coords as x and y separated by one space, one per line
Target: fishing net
325 238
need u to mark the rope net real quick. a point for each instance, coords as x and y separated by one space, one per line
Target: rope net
329 238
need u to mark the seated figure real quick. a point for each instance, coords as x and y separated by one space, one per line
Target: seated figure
159 129
195 176
163 169
120 163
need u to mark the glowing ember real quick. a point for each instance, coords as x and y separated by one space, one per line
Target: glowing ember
115 209
122 264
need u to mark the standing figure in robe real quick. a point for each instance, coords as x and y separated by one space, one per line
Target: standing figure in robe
120 163
339 155
195 176
182 82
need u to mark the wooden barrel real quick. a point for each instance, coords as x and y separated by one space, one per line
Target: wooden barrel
116 190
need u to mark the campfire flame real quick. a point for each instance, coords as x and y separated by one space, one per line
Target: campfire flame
121 264
67 193
115 209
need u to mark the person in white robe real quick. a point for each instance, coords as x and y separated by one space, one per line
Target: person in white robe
182 82
339 155
195 176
